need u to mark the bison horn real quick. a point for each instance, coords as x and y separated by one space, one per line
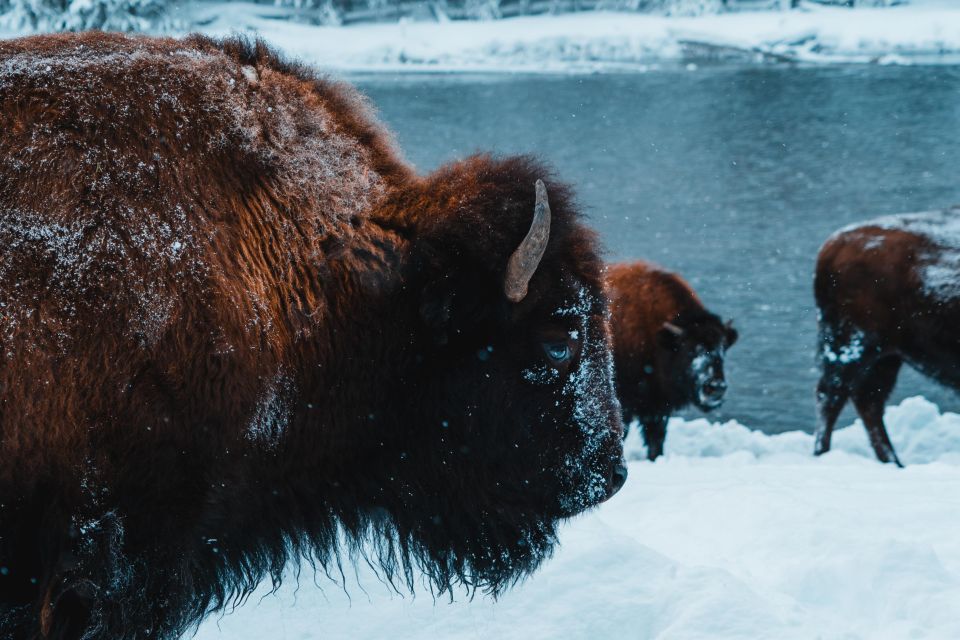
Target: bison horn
672 328
525 260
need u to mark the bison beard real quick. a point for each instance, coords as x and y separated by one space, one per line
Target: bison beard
240 331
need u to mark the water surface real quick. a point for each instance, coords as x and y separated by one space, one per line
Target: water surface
731 176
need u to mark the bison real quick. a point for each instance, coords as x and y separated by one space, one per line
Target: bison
887 292
668 349
239 330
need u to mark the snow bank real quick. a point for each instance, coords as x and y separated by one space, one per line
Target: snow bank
924 31
733 534
920 434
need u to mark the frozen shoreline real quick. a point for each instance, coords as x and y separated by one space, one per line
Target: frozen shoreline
927 31
923 32
735 534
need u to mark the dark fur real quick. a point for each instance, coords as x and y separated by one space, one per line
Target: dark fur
877 310
654 374
236 325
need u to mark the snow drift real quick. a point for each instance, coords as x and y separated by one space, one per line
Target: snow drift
733 534
916 426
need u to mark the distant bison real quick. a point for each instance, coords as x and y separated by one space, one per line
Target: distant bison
668 349
888 292
237 329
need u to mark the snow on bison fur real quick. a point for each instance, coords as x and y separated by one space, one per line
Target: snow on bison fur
668 349
888 292
238 330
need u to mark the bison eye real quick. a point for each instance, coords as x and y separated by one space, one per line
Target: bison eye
558 352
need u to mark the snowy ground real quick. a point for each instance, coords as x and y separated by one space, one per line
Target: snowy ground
734 535
926 31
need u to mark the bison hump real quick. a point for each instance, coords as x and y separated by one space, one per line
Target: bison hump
918 251
130 166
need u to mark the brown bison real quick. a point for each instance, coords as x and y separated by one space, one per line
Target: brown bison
668 349
888 292
238 330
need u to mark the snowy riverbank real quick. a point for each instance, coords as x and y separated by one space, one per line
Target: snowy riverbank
926 31
921 32
734 534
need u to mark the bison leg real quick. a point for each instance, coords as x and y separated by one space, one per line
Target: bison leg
845 353
833 390
870 397
91 559
654 434
66 612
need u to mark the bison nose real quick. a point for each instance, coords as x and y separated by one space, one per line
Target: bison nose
618 478
715 388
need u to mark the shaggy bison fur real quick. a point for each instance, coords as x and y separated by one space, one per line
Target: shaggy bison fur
239 330
668 349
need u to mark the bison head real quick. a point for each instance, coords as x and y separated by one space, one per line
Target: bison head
696 345
509 421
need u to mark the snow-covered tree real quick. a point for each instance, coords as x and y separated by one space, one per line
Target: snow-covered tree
692 7
327 12
667 7
482 9
77 15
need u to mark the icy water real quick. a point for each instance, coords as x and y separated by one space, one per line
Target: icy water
731 176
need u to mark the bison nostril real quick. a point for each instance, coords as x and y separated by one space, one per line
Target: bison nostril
715 387
618 478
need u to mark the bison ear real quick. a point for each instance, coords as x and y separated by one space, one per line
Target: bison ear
436 309
731 336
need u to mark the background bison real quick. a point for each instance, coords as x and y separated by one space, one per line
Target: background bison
887 292
668 349
238 328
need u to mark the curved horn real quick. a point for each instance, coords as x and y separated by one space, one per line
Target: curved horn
672 328
525 260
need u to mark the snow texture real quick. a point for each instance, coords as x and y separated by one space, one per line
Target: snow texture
540 375
732 534
273 411
590 383
849 352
